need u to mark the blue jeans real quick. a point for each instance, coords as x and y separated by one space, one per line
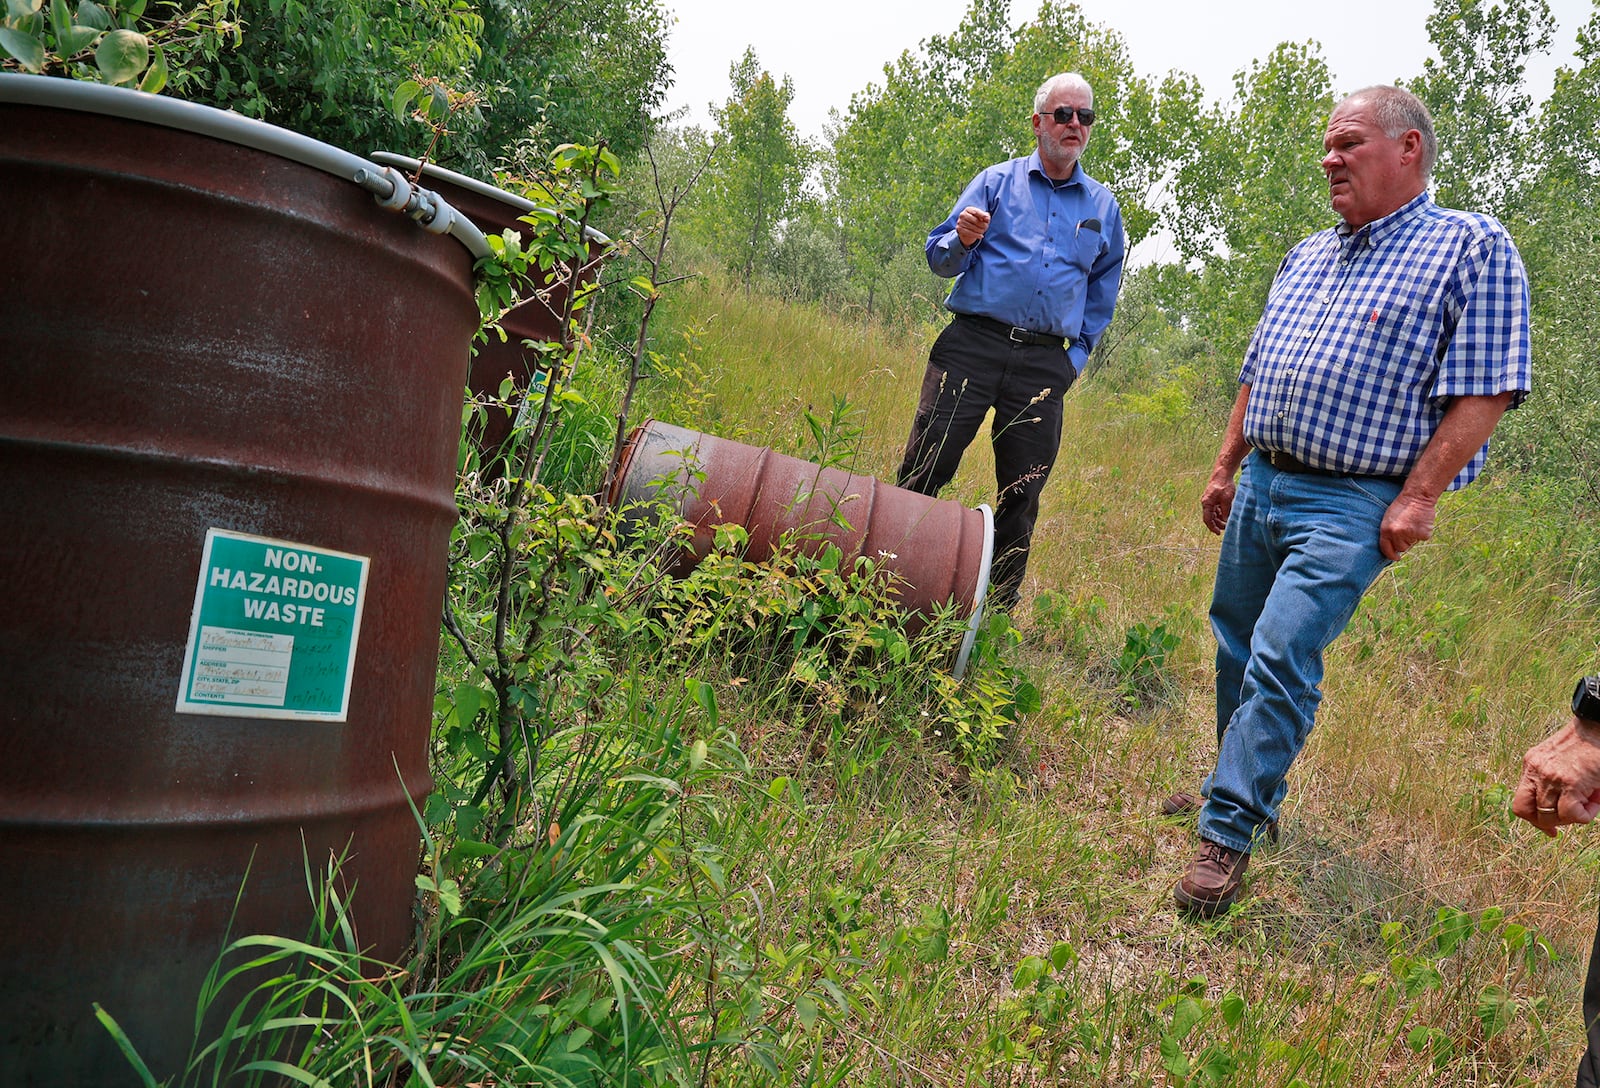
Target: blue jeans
1298 553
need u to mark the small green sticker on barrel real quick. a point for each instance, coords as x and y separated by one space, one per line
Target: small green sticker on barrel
274 629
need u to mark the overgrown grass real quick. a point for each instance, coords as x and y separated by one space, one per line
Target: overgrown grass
727 845
1459 660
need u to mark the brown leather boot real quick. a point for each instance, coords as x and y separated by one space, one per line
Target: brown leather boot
1183 803
1213 880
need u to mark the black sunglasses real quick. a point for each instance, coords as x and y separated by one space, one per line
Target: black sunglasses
1062 114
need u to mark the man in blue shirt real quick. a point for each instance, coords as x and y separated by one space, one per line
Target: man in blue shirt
1390 347
1037 247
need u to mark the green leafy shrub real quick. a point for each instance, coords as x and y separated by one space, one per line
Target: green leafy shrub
123 42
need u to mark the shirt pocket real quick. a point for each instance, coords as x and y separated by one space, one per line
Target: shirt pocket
1087 245
1391 339
1389 320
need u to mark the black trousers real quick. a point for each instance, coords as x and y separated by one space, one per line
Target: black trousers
1589 1064
971 369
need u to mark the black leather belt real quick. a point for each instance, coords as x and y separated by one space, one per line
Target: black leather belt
1286 462
1012 333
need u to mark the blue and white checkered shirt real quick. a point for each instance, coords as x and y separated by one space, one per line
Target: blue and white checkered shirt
1368 334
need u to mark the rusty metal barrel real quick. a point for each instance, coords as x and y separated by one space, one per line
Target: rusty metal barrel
494 210
939 550
230 386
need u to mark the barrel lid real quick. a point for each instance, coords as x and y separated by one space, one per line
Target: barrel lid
387 185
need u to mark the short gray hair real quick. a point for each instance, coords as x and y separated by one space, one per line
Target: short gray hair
1055 83
1397 111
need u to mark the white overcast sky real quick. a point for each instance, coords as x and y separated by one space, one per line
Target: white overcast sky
833 48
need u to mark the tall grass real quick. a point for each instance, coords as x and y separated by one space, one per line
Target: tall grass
749 850
1460 659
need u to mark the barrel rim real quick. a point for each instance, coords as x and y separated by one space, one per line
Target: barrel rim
980 595
124 104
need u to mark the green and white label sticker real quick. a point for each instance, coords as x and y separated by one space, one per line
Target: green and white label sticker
274 629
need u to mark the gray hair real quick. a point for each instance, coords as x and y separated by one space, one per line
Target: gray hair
1055 83
1397 111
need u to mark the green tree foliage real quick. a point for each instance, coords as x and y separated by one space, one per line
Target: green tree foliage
121 42
908 146
564 71
1255 182
1558 233
1252 189
1482 110
550 72
758 174
1566 144
328 68
1127 151
882 152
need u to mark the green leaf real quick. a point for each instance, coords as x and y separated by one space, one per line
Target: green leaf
24 47
933 936
60 19
129 1054
1029 971
470 850
1496 1008
21 9
1027 699
1062 955
1421 977
469 699
156 77
122 55
1185 1015
450 896
704 694
284 1069
476 745
92 14
75 40
403 96
1233 1009
805 1010
1173 1060
1217 1065
438 103
1450 928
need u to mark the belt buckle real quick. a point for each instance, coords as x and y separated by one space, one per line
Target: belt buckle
1018 335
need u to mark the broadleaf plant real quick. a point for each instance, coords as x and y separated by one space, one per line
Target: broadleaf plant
120 42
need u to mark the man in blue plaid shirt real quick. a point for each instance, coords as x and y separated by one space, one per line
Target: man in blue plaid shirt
1390 347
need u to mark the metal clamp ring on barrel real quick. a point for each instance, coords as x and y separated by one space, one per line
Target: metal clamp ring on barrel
416 203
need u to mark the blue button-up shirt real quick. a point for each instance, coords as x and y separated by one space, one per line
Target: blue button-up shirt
1369 333
1039 266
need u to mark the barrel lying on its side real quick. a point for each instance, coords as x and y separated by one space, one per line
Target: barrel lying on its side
939 550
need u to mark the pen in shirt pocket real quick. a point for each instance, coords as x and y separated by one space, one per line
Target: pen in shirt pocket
1092 224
